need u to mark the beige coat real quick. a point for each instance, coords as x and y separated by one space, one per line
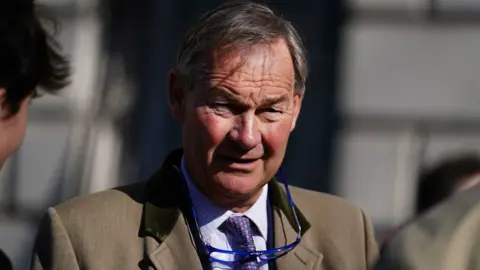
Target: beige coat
141 227
446 238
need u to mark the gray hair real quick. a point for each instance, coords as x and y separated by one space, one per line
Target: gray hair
239 25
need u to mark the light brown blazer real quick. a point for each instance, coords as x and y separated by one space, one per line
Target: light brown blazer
141 227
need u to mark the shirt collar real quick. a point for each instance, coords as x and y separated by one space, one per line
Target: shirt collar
211 216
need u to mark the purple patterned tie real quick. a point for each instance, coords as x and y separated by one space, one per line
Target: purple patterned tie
241 228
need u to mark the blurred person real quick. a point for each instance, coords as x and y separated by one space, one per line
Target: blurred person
446 237
29 58
222 202
448 177
445 178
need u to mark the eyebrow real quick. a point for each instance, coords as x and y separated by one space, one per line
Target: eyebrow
223 93
275 100
232 97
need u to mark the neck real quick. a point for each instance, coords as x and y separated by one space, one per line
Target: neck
233 202
237 203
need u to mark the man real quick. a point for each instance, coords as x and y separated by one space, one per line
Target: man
237 91
29 58
445 237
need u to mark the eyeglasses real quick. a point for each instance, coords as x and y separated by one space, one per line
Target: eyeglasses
262 255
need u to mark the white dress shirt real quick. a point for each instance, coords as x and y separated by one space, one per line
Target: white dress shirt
211 216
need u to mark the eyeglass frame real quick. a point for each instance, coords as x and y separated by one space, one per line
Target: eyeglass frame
249 255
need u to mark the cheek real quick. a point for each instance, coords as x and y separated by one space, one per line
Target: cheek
276 137
13 132
214 128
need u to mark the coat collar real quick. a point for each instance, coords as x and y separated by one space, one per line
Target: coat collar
168 236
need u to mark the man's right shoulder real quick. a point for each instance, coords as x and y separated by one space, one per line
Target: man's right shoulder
83 228
129 198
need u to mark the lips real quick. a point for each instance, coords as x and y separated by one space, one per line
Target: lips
244 164
239 160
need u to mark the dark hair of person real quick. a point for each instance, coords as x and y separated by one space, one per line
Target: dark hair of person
30 57
442 180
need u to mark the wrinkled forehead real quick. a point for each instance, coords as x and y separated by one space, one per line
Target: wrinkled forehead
265 65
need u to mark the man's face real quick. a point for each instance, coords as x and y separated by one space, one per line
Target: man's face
12 127
237 120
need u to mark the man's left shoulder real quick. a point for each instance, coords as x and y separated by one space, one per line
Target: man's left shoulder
340 230
316 201
325 209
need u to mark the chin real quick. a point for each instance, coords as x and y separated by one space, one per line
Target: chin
239 184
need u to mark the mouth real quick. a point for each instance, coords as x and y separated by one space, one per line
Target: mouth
239 163
239 160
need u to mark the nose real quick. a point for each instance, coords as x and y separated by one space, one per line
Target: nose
246 132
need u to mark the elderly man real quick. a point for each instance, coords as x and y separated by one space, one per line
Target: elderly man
222 202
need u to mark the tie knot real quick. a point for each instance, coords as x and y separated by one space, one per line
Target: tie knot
241 227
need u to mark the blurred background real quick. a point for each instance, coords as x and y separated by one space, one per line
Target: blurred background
394 86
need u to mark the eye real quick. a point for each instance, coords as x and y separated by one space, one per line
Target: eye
221 107
218 105
270 114
269 111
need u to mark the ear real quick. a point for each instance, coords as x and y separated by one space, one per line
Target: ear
176 95
4 111
3 95
297 105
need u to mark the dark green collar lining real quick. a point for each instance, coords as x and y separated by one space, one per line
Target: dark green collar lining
159 222
279 199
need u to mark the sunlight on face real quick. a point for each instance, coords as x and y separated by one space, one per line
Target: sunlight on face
12 127
238 120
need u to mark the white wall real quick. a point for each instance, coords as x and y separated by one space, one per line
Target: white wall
414 71
399 75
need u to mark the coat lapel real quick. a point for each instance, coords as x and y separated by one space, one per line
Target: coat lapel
169 244
176 251
303 257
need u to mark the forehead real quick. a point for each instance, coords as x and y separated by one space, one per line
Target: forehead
266 67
